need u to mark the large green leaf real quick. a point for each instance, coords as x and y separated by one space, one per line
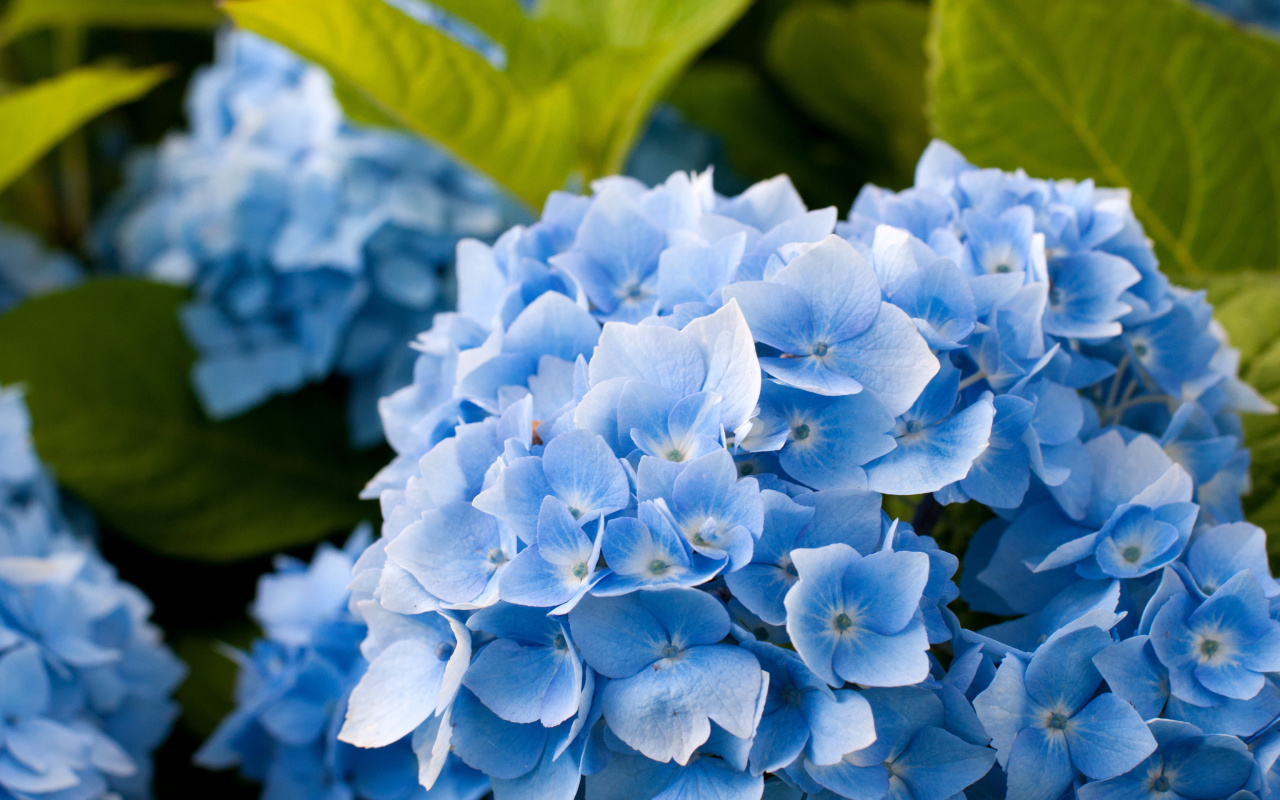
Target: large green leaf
860 70
24 16
1153 95
579 80
106 369
34 119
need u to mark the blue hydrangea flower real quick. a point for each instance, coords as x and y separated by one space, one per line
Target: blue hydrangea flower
312 246
85 678
634 541
1047 725
1186 763
293 686
28 269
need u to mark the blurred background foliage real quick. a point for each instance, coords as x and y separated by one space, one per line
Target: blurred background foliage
1173 102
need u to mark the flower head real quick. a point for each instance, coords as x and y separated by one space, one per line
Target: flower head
313 247
643 468
85 679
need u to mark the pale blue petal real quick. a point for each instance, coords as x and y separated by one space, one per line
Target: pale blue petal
935 456
1108 738
666 712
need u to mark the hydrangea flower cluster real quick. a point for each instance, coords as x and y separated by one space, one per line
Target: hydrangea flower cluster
313 246
28 268
291 693
634 534
85 678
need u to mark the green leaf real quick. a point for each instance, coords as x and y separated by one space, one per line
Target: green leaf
860 70
207 694
579 81
1248 306
27 16
1153 95
34 119
106 368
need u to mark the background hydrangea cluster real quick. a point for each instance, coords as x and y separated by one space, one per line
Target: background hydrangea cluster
85 678
313 246
292 690
634 530
29 269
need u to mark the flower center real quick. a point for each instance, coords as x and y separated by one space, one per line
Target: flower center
914 426
579 569
843 622
675 455
444 651
496 556
761 634
790 696
1160 784
575 512
1139 349
820 349
790 569
1058 722
633 291
800 433
670 651
1132 554
746 469
1209 647
657 566
1003 268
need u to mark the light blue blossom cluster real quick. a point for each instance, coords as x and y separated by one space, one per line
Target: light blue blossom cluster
292 688
634 535
28 268
85 679
313 246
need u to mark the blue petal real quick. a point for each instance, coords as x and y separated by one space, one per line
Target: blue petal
400 689
512 679
839 287
552 325
1133 673
454 551
831 438
889 359
1062 674
1003 707
500 749
927 460
1107 738
938 764
584 473
1039 765
516 497
619 636
665 712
